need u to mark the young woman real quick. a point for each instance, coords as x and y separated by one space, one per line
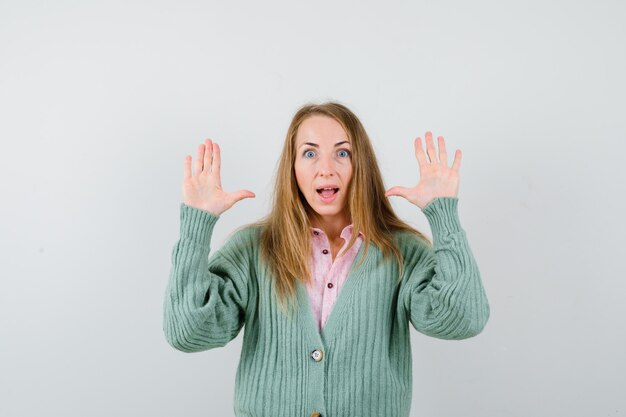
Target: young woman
328 283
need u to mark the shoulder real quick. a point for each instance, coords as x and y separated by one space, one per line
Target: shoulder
413 247
247 235
243 241
410 240
238 249
249 232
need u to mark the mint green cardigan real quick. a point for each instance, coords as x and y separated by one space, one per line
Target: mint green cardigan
360 363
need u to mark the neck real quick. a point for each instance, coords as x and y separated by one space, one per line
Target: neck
331 225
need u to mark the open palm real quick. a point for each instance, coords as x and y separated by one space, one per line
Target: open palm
436 178
203 188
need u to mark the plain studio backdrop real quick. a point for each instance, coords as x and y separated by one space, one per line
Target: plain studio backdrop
101 101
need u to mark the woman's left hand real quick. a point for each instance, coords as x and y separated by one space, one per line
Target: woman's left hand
436 178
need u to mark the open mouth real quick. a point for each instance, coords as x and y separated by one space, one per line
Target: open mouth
327 192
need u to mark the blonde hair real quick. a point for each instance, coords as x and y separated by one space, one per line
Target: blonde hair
285 231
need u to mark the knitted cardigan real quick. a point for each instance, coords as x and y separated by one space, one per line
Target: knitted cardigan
359 364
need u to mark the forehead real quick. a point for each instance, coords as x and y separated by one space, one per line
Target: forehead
319 129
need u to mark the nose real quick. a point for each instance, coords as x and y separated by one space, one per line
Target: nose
326 165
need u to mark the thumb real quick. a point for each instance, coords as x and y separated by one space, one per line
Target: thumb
397 190
241 194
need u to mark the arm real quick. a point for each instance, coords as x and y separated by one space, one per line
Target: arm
444 294
206 299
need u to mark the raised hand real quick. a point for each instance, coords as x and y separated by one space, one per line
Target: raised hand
436 178
203 189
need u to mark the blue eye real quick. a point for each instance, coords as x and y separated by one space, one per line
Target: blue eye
346 153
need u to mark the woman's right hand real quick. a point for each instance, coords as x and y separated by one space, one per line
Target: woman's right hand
203 189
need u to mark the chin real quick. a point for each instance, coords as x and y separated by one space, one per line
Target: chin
328 210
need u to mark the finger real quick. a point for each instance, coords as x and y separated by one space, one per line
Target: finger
187 167
397 190
198 164
208 156
430 148
456 165
217 162
419 153
241 194
443 155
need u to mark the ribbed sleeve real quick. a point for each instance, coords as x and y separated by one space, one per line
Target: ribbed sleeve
445 294
196 225
205 299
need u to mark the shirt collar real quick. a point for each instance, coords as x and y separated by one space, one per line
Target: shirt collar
346 233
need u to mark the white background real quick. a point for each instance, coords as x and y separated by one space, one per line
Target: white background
101 101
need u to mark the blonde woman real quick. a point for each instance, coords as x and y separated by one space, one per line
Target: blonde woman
329 281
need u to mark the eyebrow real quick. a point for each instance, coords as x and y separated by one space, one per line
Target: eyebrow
317 146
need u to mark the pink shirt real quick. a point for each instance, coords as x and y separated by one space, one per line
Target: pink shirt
328 276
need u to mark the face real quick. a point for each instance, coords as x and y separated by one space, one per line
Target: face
324 160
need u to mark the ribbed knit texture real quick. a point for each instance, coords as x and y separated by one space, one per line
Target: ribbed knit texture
366 366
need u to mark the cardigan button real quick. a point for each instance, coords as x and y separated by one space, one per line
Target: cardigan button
330 285
325 251
315 414
317 355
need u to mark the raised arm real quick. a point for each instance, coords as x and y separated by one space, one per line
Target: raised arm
443 292
206 298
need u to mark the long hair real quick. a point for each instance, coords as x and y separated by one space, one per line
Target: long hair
285 231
